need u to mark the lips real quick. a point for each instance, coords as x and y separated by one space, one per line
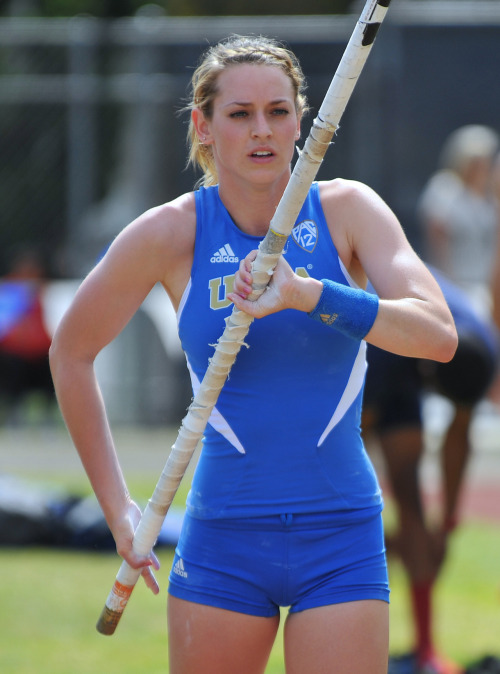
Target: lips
262 154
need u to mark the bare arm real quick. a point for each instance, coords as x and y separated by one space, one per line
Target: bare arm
105 302
413 318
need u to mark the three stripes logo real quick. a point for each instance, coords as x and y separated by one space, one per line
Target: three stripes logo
179 568
224 254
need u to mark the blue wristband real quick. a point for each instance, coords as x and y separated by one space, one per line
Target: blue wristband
351 311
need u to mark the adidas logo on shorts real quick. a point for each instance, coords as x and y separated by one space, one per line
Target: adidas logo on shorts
224 254
179 569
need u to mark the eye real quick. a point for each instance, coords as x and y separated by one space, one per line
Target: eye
238 113
280 111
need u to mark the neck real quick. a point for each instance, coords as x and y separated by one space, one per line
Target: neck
252 208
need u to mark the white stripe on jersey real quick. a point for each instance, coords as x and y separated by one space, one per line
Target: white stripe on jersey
216 420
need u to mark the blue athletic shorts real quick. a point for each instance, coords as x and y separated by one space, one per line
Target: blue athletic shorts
303 561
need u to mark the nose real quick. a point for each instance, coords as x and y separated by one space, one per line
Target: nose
261 126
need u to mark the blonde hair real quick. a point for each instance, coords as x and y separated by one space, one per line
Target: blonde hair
235 50
473 141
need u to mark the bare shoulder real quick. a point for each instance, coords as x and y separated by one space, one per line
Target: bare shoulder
157 247
342 194
169 233
350 207
356 211
171 226
367 234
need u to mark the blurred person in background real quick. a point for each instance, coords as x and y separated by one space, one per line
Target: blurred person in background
458 210
24 337
459 215
394 392
494 394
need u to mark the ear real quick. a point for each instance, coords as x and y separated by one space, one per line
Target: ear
202 126
297 131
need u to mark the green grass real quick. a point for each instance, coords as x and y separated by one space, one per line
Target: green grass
467 598
50 601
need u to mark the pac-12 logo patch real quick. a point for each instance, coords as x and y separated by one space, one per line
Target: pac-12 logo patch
305 235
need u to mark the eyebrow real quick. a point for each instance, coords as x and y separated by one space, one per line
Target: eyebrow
246 104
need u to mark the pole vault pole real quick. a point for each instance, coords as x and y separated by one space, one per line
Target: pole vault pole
238 323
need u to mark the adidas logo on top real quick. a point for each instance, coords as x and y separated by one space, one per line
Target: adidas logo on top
224 254
179 569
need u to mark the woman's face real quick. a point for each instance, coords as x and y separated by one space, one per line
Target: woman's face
254 124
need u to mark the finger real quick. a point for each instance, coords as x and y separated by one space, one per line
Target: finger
245 272
242 282
244 305
236 300
155 561
141 561
248 261
150 580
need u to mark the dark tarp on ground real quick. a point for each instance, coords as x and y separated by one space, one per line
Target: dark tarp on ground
34 514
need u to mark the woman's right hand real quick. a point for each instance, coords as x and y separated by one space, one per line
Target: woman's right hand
286 290
123 534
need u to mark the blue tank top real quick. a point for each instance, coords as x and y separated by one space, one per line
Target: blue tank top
284 436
